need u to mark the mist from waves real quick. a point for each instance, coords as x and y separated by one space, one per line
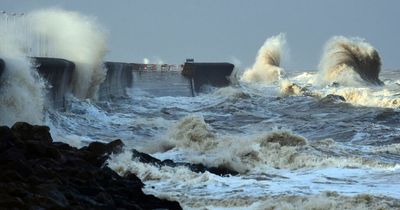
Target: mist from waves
22 90
275 162
273 166
75 37
254 153
268 188
361 94
267 66
349 62
50 33
324 201
278 167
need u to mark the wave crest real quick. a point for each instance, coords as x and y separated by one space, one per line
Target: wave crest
349 61
268 61
75 37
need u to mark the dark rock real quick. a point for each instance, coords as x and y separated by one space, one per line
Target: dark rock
10 176
168 162
18 166
13 153
34 149
62 146
45 202
134 179
221 171
105 198
11 202
36 173
25 131
198 168
100 148
145 158
331 98
97 152
51 191
7 138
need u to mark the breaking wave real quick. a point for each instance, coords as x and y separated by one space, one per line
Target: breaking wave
350 62
199 143
75 37
324 200
22 89
267 67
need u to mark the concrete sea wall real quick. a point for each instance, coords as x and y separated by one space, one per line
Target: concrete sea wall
214 74
58 74
119 78
2 65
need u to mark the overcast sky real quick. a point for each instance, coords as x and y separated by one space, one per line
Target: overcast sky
229 30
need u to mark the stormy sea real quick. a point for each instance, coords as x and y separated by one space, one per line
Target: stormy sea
326 138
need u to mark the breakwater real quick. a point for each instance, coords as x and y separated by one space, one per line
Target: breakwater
58 75
1 67
119 77
214 74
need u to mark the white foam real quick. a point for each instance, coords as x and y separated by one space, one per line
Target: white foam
343 60
21 88
266 68
75 37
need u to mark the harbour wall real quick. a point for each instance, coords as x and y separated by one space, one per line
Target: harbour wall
123 77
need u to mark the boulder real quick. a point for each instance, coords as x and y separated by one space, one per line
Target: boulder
198 168
36 173
331 98
25 131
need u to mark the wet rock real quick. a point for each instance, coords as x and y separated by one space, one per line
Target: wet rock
222 171
97 152
8 138
36 173
106 199
198 168
25 131
11 202
146 158
331 98
99 148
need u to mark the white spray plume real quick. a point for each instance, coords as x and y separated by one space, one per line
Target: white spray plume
75 37
268 61
350 62
146 61
21 88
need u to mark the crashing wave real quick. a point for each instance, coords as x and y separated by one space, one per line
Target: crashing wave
22 90
197 142
324 200
350 62
75 37
267 65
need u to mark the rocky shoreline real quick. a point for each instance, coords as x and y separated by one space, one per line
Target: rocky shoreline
37 173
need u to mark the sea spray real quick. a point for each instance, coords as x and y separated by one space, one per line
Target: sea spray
350 62
21 88
267 67
327 200
75 37
197 142
288 88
